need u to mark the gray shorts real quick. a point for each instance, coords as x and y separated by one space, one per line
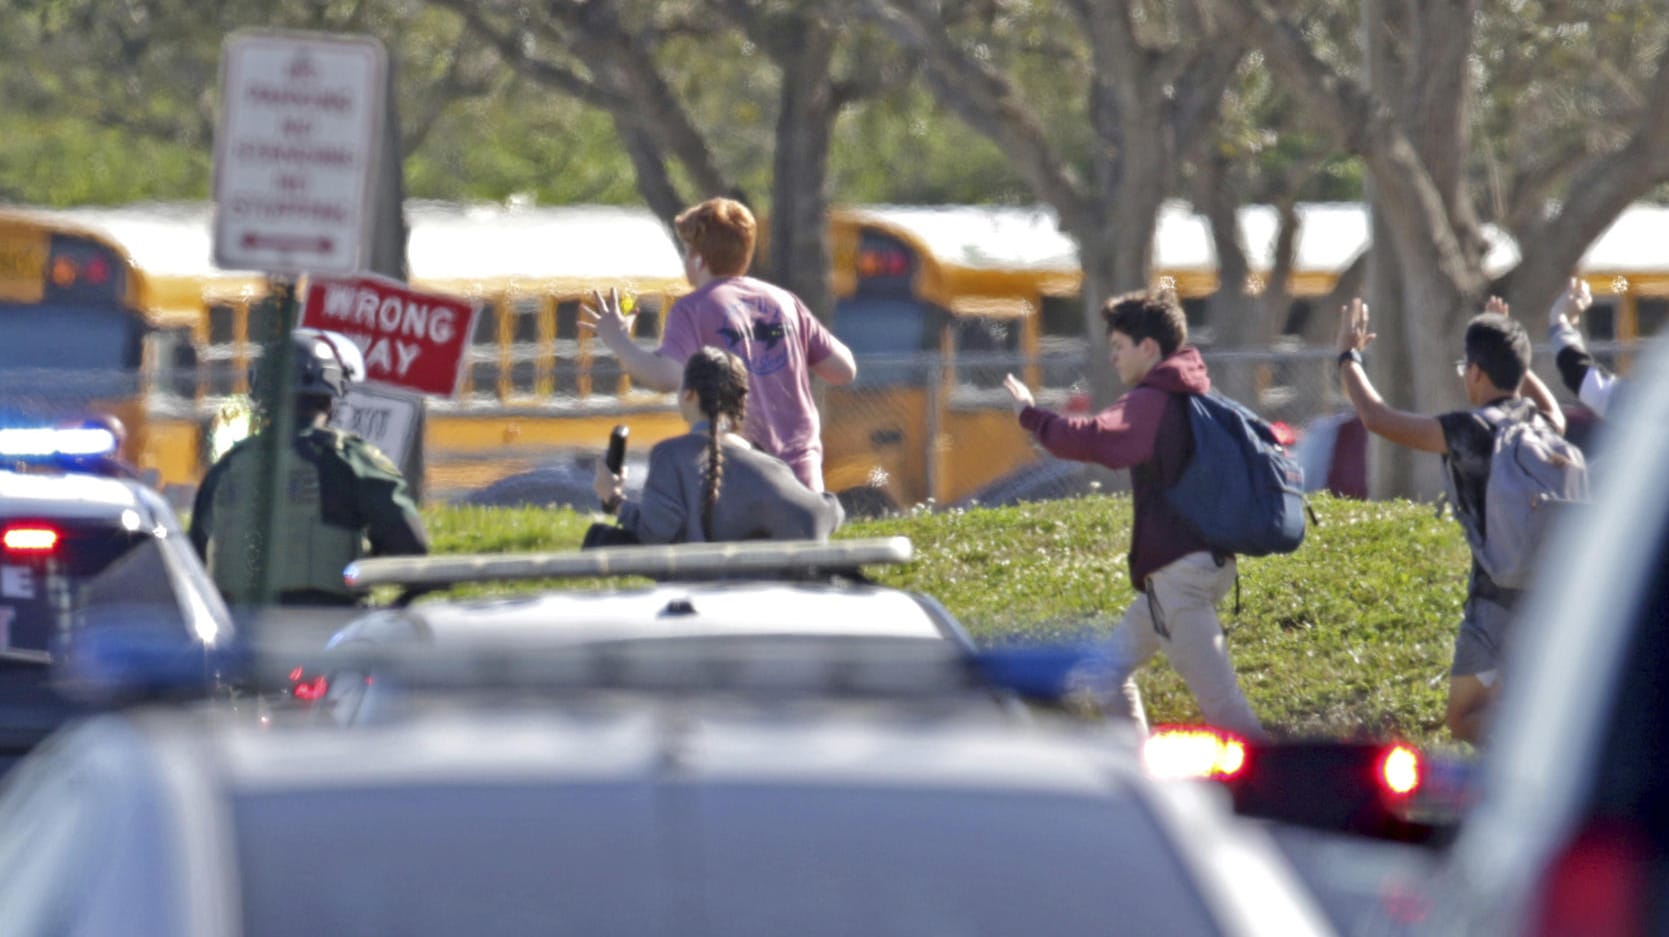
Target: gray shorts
1482 638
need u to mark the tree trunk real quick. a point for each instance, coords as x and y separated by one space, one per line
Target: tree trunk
1116 257
1275 306
1234 320
799 209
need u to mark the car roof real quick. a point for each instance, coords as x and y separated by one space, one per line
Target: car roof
866 808
630 738
78 496
666 610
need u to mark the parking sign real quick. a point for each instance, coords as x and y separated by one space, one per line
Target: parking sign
300 122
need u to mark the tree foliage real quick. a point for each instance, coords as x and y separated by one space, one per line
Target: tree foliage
1409 108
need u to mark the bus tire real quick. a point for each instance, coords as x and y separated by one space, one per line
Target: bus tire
867 501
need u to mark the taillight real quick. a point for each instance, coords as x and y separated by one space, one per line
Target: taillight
308 689
1182 752
1400 771
32 539
1597 884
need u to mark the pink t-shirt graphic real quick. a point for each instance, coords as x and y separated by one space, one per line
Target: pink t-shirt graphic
772 331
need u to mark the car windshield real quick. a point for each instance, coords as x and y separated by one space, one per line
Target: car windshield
94 574
638 857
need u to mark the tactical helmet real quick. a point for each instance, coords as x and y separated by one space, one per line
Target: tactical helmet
319 368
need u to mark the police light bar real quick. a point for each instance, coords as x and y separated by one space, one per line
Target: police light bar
755 557
45 442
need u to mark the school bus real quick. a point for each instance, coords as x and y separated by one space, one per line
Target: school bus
938 303
537 385
80 336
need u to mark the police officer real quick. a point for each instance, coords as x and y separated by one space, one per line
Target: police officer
342 499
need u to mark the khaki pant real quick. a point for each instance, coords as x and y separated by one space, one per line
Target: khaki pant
1183 597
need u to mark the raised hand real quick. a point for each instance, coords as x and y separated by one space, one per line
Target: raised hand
1020 394
1570 305
1353 327
605 316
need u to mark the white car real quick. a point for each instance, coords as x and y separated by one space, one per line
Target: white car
769 591
1570 834
627 811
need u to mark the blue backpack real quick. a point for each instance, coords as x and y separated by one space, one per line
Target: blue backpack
1242 492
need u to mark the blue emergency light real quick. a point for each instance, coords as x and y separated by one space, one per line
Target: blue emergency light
48 442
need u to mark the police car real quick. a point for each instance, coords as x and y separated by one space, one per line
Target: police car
85 550
833 790
764 592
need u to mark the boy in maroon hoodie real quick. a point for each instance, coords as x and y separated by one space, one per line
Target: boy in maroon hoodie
1146 431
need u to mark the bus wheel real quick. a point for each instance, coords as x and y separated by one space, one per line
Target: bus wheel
867 501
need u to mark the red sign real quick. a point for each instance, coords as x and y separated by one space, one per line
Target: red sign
410 339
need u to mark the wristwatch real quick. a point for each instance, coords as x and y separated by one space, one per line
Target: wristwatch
1350 355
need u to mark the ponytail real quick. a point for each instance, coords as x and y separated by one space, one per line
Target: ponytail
720 382
712 476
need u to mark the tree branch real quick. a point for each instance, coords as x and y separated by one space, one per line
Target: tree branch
985 99
508 45
1367 127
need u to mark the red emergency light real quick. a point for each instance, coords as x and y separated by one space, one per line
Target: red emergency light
29 540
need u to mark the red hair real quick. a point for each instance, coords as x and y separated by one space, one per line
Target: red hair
721 231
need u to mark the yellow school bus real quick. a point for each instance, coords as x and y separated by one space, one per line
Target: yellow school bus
937 302
926 419
80 336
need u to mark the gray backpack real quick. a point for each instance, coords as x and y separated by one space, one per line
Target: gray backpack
1532 472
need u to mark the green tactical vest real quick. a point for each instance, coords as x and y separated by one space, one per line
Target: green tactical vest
307 552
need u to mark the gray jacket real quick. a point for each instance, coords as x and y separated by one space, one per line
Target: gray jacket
759 497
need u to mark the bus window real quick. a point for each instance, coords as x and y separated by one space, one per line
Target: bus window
1063 316
1600 321
976 341
888 337
1650 315
92 351
1298 317
886 265
1197 309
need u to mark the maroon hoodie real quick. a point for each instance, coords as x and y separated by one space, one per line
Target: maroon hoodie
1145 431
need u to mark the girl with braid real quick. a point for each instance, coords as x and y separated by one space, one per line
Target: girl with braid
710 483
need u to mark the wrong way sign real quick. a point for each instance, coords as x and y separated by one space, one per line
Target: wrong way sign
300 121
409 338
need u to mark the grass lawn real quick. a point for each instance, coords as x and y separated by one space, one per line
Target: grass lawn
1349 635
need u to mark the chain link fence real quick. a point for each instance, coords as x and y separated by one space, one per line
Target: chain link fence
913 430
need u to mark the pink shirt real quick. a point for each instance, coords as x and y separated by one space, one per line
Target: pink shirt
772 331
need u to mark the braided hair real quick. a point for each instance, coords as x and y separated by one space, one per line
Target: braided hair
720 382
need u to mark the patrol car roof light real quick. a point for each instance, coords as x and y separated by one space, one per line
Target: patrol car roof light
690 560
45 442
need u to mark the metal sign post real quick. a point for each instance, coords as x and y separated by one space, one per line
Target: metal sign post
275 392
